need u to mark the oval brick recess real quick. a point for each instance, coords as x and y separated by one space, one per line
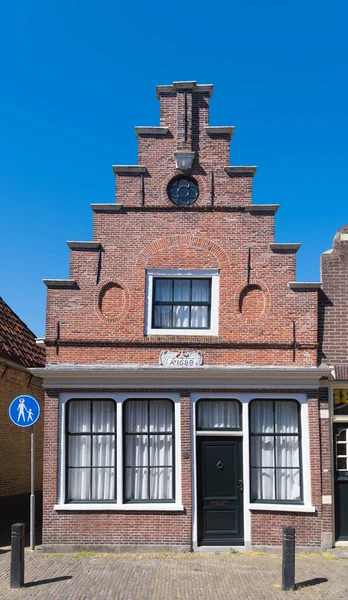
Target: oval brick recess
111 300
252 302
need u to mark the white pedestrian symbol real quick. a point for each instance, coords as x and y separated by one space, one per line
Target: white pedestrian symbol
21 408
21 414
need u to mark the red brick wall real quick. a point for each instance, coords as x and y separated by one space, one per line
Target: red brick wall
15 441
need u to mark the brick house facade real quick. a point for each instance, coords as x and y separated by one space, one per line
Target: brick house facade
185 402
18 353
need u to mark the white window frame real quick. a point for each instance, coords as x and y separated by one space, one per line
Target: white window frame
212 274
119 504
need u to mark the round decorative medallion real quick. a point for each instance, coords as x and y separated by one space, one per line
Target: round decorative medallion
183 191
112 300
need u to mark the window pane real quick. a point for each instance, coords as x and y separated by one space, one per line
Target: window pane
160 450
104 416
103 484
163 290
79 451
261 420
199 316
79 416
262 484
181 316
341 464
262 451
200 290
288 484
79 484
103 451
286 416
161 415
341 436
136 450
137 484
182 290
287 451
161 482
219 414
136 416
163 316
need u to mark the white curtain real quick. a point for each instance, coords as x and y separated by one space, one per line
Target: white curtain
149 466
218 414
163 293
200 293
91 458
181 314
275 459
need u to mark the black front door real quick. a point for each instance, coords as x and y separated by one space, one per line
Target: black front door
341 481
220 491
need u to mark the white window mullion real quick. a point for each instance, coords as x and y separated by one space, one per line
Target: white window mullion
119 454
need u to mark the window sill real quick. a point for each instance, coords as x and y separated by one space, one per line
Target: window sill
298 508
166 506
190 332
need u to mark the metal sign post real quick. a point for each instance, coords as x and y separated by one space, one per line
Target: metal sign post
24 411
32 491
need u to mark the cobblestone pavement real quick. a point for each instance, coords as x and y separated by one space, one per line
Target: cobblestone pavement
206 576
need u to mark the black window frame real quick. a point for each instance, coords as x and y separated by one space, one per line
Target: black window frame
185 303
274 434
90 433
148 433
203 400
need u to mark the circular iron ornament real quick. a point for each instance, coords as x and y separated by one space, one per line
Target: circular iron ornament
183 191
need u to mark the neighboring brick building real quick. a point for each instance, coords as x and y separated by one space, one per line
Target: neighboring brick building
18 352
333 336
184 403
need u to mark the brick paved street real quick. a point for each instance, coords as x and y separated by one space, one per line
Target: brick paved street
172 576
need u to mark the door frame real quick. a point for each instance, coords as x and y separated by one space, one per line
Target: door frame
222 440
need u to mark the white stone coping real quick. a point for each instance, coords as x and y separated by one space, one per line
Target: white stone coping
185 85
231 170
60 283
284 247
84 245
270 208
155 507
220 131
118 169
112 376
151 131
305 285
111 208
296 508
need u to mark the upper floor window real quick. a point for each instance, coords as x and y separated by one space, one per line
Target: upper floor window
181 302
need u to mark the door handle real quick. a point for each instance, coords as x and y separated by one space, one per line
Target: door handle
240 486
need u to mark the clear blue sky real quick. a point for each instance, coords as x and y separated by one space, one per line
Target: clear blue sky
76 77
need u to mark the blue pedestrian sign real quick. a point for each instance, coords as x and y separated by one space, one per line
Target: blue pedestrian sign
24 411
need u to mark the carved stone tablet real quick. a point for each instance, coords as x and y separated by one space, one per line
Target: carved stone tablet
181 358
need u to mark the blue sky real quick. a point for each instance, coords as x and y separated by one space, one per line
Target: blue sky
76 77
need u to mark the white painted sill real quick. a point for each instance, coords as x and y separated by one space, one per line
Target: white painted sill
298 508
121 507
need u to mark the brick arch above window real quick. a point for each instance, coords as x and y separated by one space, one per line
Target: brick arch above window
184 240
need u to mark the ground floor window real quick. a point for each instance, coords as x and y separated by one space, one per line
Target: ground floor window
149 446
130 441
91 450
275 451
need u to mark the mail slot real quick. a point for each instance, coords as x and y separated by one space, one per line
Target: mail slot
220 503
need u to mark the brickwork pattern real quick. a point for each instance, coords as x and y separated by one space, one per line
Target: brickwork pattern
15 441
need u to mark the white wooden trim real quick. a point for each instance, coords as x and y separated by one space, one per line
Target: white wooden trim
118 505
213 274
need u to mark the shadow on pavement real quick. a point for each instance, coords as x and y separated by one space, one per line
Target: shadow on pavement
44 581
311 582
